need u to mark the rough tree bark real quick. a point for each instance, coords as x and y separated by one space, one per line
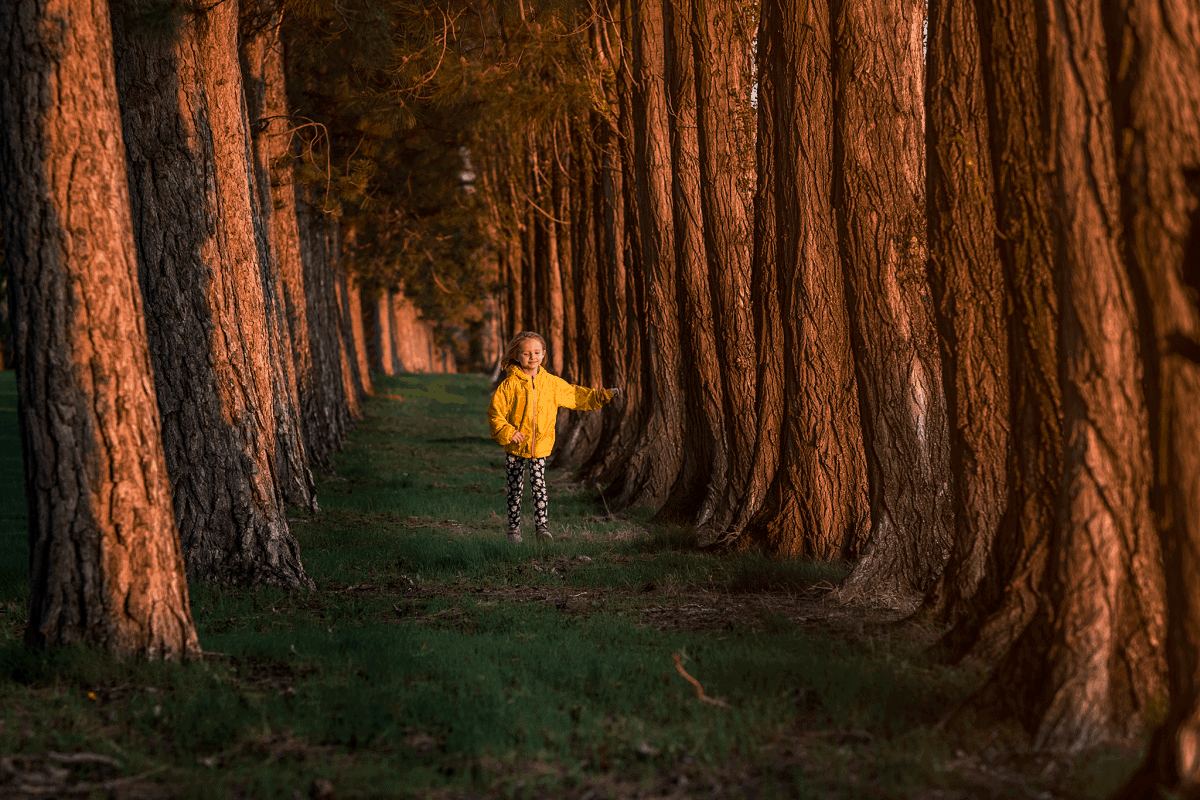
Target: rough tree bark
654 463
720 47
319 254
703 470
1020 146
261 52
582 431
817 504
879 204
191 185
616 235
1157 105
967 282
105 564
1090 665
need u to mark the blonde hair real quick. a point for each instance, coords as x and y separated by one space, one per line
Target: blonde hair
510 355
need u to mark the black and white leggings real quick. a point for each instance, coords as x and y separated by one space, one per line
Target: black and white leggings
514 470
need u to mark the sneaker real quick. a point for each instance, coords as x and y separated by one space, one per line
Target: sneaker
514 535
543 535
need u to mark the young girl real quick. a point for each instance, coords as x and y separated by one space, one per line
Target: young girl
522 415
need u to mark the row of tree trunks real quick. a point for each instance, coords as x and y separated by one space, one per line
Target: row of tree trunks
201 270
261 54
398 339
105 562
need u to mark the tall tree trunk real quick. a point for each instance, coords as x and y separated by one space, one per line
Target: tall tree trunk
817 504
354 301
105 564
262 72
880 208
1157 109
657 456
720 47
328 415
613 202
581 431
1008 594
968 289
1090 665
187 141
703 471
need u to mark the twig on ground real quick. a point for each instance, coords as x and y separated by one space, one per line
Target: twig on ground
716 701
602 500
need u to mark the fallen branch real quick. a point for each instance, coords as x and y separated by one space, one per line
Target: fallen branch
606 508
83 758
715 701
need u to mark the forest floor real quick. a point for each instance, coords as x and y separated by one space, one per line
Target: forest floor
436 660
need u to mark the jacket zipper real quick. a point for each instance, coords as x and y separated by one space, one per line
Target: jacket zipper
533 394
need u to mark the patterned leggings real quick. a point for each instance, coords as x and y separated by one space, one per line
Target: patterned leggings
514 470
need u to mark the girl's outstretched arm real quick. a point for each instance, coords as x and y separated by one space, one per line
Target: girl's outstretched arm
581 398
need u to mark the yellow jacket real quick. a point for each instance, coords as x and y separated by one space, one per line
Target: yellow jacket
513 404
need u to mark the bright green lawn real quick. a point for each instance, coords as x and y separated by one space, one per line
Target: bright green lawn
434 656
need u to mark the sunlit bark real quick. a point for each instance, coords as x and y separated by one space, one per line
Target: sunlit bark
105 564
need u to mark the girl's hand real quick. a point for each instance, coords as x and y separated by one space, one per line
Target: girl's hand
615 392
518 437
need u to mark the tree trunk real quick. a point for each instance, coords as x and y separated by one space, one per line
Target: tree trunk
352 385
703 470
968 289
1157 112
105 564
354 301
614 219
1008 594
380 336
580 432
656 458
880 209
186 137
817 504
328 415
262 72
1090 666
720 40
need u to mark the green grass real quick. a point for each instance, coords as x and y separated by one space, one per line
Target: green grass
435 657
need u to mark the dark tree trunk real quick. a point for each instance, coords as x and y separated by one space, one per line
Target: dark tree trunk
328 416
613 199
703 470
1008 594
187 141
582 432
879 201
262 71
817 504
968 289
657 455
105 564
1157 112
358 330
1090 666
720 46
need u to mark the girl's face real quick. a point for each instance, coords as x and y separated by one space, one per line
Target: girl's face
529 355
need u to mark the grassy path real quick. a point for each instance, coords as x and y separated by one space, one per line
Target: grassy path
435 659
